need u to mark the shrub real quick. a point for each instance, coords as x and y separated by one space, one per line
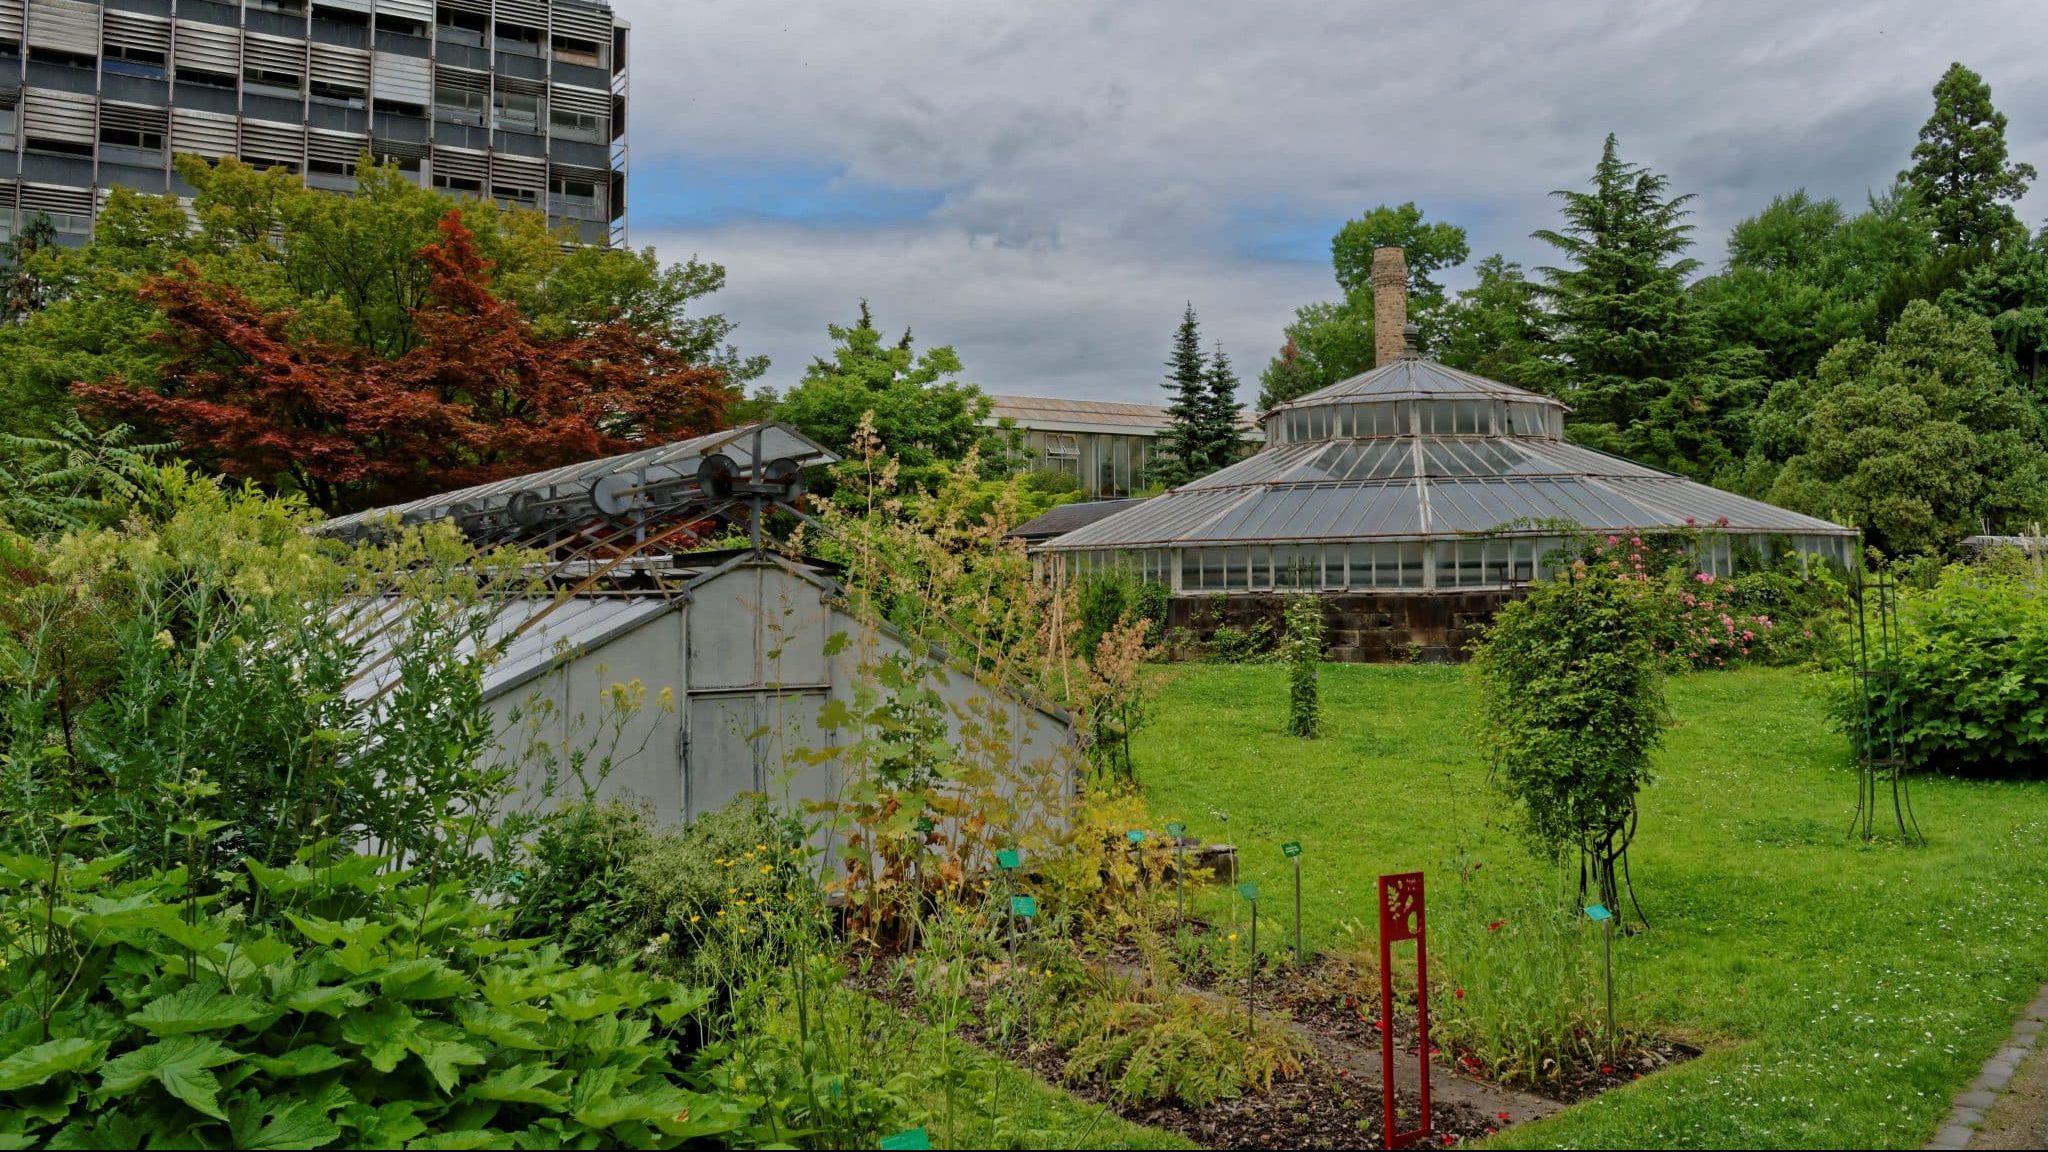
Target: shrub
1572 704
1229 644
1967 688
374 1011
1304 651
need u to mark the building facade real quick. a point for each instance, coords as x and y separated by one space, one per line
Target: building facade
520 101
1108 447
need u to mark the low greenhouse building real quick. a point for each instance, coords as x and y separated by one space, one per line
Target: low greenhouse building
1418 499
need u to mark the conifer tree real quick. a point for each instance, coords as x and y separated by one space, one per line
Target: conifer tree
1183 447
1960 176
1622 320
1220 414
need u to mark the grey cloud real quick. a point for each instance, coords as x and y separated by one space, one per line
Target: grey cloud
1095 156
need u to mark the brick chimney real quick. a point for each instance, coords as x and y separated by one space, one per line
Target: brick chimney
1389 305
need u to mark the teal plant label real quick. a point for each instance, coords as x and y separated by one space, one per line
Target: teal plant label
915 1138
1025 906
1599 912
1249 891
925 825
1291 850
1009 859
1135 836
1176 830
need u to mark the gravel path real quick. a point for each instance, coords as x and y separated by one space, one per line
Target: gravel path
2007 1105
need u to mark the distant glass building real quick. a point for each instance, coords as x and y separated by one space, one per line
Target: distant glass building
1417 499
1106 446
520 101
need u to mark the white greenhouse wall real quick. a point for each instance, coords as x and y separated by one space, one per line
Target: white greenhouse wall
734 677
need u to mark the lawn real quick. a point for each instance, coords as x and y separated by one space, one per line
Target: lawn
1844 992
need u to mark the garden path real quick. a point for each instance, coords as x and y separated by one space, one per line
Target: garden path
2007 1105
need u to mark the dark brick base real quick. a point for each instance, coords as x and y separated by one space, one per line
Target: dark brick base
1362 628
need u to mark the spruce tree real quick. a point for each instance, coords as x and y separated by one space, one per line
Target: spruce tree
1183 448
1959 175
1621 318
1220 413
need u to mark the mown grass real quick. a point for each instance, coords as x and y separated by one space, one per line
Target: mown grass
1844 991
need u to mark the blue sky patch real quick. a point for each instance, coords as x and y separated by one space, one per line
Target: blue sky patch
675 193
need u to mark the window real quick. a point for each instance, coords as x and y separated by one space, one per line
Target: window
569 50
514 38
457 27
570 124
147 63
458 105
447 183
519 111
271 81
204 79
1063 453
132 138
8 127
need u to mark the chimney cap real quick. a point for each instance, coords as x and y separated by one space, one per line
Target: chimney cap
1411 339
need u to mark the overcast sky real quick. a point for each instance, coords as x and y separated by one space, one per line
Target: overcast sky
1042 184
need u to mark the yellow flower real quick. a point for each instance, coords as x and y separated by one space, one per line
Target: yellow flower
1233 935
694 918
765 869
760 847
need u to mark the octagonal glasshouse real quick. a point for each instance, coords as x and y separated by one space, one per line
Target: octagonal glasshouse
1418 498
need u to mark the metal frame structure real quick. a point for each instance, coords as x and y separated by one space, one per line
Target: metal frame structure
1880 763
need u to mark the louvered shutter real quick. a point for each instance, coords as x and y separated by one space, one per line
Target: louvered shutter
57 201
266 142
141 33
583 23
207 48
341 68
462 164
420 10
64 26
273 54
135 118
64 117
531 13
402 80
336 147
202 134
10 31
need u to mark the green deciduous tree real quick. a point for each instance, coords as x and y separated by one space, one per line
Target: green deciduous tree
1326 343
1497 328
1429 248
923 413
1921 440
1960 173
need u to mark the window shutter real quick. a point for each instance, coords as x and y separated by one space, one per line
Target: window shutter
202 134
267 142
341 67
10 31
128 30
583 23
531 13
56 201
275 55
135 118
420 10
207 48
64 26
403 79
586 100
61 116
336 147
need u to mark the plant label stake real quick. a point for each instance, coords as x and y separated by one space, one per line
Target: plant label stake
1293 852
1402 918
1599 914
1250 892
916 1138
1177 831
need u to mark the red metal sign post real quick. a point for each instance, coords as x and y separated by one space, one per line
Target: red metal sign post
1402 918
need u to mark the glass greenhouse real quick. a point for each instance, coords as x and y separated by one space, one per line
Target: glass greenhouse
1418 478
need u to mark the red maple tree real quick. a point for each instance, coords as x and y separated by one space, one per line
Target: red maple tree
478 399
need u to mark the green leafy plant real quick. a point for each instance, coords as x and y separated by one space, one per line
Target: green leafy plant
375 1010
1151 1047
1572 705
1230 644
1303 651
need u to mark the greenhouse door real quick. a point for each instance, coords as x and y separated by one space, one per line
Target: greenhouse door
746 742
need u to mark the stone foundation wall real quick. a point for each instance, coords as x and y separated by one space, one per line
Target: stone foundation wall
1362 627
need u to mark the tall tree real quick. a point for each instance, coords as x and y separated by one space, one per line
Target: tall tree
1430 248
1960 174
1333 340
1221 413
1621 318
478 396
923 413
1325 343
1496 328
1183 451
1921 440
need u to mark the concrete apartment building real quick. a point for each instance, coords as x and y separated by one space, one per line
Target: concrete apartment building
522 101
